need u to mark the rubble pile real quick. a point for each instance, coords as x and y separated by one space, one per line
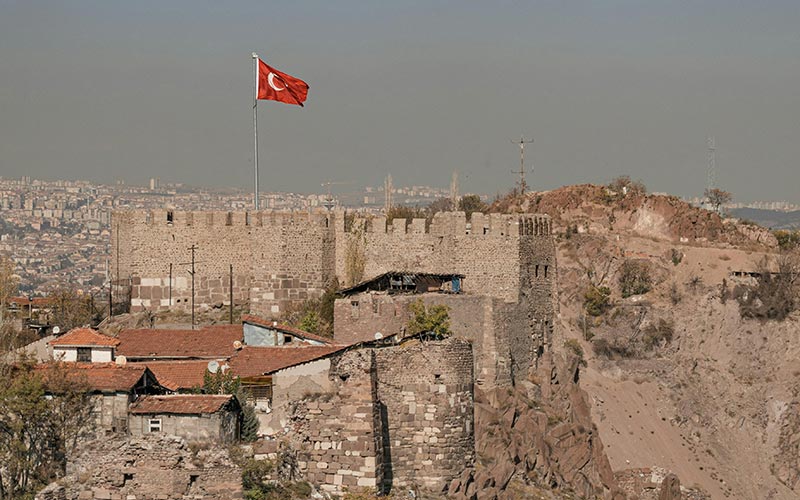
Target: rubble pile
150 467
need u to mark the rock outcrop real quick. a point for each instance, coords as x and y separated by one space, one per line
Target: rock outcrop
656 215
670 488
538 434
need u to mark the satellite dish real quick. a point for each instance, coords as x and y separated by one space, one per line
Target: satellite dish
56 330
121 360
378 335
237 345
213 366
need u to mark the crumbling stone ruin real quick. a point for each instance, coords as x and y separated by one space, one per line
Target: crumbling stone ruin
399 416
147 467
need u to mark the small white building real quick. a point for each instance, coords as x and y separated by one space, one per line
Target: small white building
84 345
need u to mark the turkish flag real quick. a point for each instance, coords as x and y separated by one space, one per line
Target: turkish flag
277 86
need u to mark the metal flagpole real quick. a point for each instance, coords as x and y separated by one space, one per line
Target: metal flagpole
255 124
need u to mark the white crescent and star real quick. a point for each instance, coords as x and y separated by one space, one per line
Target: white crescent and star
271 82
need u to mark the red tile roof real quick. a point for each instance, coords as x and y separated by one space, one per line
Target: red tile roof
25 301
254 361
257 320
184 404
177 375
210 342
103 377
84 337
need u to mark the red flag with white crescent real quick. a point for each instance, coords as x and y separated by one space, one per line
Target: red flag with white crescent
277 86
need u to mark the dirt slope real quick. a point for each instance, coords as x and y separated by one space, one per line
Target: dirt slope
718 403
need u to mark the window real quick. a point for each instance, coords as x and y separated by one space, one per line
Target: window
259 392
170 217
287 339
154 425
354 309
84 355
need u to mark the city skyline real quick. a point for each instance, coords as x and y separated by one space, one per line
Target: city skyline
132 91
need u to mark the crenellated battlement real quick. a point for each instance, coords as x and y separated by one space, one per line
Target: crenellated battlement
442 223
452 224
220 218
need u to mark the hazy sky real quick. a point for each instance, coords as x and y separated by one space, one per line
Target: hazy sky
109 89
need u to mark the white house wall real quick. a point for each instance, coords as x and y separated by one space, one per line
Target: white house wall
99 354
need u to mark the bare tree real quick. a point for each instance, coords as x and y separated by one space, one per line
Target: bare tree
8 285
37 432
775 295
717 197
71 309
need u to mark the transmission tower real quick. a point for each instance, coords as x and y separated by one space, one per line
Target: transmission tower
388 188
712 164
522 142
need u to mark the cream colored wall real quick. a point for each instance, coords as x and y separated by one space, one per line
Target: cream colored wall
99 354
290 385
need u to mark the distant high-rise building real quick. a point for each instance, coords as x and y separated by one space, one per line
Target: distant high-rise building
454 197
388 189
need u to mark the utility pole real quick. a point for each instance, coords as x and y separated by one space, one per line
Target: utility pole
230 290
170 285
108 281
192 248
111 284
522 142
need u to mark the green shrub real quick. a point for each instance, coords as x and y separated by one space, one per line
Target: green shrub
597 300
787 240
433 320
676 255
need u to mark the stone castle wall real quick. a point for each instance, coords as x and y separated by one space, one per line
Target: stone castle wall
485 250
427 407
397 416
276 258
280 258
338 434
503 337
